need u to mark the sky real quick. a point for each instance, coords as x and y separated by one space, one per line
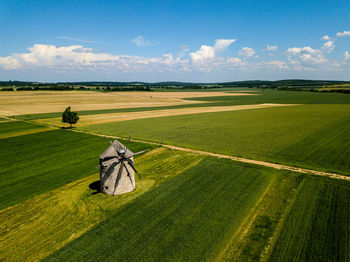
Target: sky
182 40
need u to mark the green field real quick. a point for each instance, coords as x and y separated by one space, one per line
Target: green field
37 163
70 210
14 128
187 206
279 97
311 136
317 226
189 218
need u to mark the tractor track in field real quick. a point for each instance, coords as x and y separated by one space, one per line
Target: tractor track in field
234 158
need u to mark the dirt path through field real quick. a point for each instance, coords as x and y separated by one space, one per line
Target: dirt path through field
239 159
234 158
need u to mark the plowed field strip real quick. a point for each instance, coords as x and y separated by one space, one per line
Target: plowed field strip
118 117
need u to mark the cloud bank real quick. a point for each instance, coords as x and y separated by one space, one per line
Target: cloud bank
207 58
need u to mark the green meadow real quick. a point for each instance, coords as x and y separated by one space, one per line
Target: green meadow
34 164
310 136
279 97
317 226
223 211
186 206
188 218
33 229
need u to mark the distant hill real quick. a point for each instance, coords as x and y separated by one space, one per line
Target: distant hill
105 86
287 82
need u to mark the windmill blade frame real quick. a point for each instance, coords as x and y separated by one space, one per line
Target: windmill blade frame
120 171
109 171
128 175
127 145
131 163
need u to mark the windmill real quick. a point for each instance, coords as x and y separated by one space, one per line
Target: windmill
117 171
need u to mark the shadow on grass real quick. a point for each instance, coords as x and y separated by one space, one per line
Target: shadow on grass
95 186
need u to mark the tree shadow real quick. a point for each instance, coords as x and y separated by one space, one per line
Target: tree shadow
95 186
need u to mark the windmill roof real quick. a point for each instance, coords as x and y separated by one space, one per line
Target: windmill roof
112 150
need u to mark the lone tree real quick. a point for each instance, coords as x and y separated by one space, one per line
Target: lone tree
70 117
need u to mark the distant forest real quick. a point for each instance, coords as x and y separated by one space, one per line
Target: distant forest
283 85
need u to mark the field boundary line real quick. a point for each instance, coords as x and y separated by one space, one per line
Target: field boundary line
234 158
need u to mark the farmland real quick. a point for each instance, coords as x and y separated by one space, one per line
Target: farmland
186 206
311 230
311 136
44 161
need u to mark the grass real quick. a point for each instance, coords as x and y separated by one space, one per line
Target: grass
186 207
37 227
187 218
4 119
14 128
37 163
310 136
252 244
280 97
317 226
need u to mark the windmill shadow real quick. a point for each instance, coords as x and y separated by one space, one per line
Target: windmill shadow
95 186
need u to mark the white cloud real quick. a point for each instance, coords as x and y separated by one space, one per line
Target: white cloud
278 64
77 57
328 46
206 52
311 59
222 44
307 58
342 34
300 50
246 52
270 48
326 38
235 61
9 63
141 41
346 55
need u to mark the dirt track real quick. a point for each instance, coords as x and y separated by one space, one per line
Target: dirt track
239 159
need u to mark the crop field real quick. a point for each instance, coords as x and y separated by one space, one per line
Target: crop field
311 136
43 161
118 117
27 102
187 206
15 128
194 99
317 226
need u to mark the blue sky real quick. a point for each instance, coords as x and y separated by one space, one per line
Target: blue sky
203 41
